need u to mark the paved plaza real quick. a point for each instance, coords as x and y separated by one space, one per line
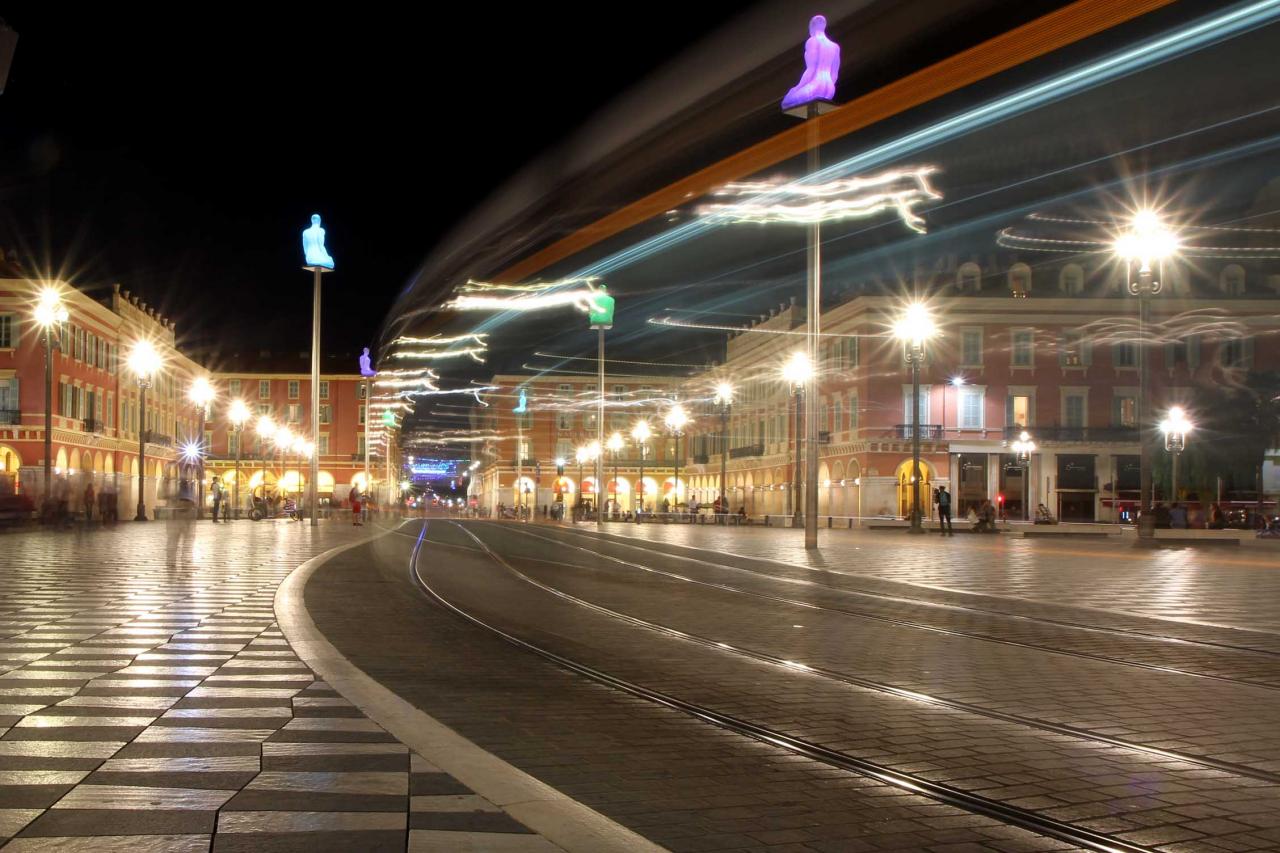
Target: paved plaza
1038 692
150 703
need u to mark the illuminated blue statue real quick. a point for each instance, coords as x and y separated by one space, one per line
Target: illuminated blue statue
313 245
523 405
821 68
365 368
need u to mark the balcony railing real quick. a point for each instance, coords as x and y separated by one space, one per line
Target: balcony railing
93 425
928 432
10 416
746 451
158 439
701 458
1060 433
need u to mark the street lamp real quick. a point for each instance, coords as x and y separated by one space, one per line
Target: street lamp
1024 447
266 429
283 439
640 434
237 415
615 444
675 419
913 328
50 314
724 399
144 361
1146 240
1175 427
796 372
201 394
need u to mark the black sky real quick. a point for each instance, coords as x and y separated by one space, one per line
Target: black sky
181 155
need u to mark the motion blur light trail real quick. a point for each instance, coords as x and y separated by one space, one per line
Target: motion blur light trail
1123 63
850 198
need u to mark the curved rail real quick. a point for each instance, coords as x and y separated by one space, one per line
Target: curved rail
975 803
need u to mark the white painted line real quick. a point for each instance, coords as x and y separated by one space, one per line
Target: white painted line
565 822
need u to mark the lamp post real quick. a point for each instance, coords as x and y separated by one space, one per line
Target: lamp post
913 328
1175 427
201 394
796 372
675 420
266 429
144 361
724 399
1024 447
318 261
640 434
1144 241
237 415
283 439
50 314
615 445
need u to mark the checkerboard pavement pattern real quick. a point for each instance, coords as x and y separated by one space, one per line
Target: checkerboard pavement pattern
148 702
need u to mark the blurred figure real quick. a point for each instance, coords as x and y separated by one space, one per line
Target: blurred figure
986 518
1178 516
943 498
354 497
215 490
89 501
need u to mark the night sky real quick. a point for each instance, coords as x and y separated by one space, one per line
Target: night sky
182 155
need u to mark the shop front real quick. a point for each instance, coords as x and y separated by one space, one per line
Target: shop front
1077 487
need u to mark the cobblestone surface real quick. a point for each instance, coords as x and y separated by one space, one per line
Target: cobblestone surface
149 703
680 782
1130 794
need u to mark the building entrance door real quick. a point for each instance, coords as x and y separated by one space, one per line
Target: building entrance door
904 491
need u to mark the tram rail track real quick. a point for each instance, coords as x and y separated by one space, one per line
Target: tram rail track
940 792
921 602
889 620
885 688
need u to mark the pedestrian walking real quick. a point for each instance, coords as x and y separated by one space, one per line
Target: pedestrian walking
89 501
943 498
354 497
215 489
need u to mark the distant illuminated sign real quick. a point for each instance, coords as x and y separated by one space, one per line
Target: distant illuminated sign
434 469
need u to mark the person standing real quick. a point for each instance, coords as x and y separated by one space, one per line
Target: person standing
944 512
89 501
215 489
354 497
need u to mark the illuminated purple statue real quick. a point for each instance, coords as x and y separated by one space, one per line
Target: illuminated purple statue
821 67
365 368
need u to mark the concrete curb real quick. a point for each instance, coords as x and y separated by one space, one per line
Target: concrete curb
560 819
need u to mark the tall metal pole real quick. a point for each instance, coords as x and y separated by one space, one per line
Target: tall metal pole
1146 521
1173 490
235 489
812 332
141 514
724 457
200 444
795 455
639 507
312 495
519 468
675 486
367 488
916 354
48 412
600 432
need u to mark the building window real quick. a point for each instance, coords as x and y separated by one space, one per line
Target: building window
1072 350
294 389
1232 280
78 353
233 387
111 410
264 408
837 416
102 354
926 392
564 420
326 414
970 347
363 390
8 327
294 413
360 444
1020 280
853 411
564 390
1071 280
90 348
971 399
264 389
1124 411
324 389
969 278
1019 410
1235 352
1023 348
322 447
1073 410
361 416
1125 355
